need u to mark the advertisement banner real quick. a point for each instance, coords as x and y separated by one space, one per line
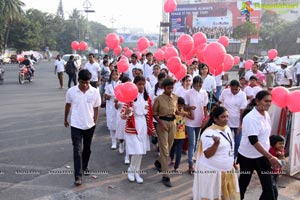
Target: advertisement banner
213 19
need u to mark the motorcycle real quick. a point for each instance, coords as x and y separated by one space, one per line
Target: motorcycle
24 74
1 76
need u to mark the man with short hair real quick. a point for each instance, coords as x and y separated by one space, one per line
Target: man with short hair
94 69
148 66
60 69
83 101
133 65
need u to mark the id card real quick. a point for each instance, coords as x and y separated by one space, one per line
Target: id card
231 153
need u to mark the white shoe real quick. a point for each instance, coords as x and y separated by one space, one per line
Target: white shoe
138 178
126 161
121 147
131 177
114 146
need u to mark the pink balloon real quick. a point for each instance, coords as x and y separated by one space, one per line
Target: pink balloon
83 45
128 53
151 43
159 54
200 51
163 48
228 62
216 70
236 60
142 44
117 50
139 55
280 96
179 20
181 73
191 54
126 92
121 39
174 30
248 64
174 64
261 76
126 49
199 38
224 40
75 45
293 101
170 52
123 65
106 49
272 53
170 6
185 43
112 40
214 54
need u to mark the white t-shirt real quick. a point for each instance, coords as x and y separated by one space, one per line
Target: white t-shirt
82 106
252 91
148 70
242 64
209 83
221 160
181 92
283 76
153 80
218 79
255 124
94 69
60 65
233 104
270 68
131 67
199 100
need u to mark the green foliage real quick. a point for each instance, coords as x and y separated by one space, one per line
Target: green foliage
245 30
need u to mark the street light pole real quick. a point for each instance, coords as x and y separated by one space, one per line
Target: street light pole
87 5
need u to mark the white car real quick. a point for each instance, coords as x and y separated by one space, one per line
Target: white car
77 58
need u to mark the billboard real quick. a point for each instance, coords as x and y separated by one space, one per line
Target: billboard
213 19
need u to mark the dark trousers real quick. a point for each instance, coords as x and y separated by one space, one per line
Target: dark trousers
177 148
72 77
298 79
237 140
263 168
81 153
275 184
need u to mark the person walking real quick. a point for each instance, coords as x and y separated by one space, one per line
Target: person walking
253 153
83 101
94 69
71 70
59 70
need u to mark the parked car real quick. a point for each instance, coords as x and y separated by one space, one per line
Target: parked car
77 57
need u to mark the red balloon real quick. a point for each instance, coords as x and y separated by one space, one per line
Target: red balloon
272 53
191 54
139 55
174 30
236 60
248 64
214 54
121 39
185 43
142 44
224 40
159 54
106 49
117 50
293 101
112 40
128 53
280 96
170 6
170 52
75 45
123 65
199 38
151 44
126 92
174 64
126 49
228 62
200 51
163 48
178 20
20 58
83 46
181 73
216 70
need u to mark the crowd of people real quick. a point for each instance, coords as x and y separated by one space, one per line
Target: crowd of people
222 130
212 32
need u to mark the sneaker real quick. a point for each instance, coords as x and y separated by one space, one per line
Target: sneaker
86 172
126 161
158 166
121 147
166 181
78 182
138 178
131 177
113 146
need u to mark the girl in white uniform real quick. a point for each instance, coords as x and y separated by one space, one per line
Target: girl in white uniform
111 112
139 126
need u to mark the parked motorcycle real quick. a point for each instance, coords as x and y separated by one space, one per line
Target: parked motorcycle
1 76
24 74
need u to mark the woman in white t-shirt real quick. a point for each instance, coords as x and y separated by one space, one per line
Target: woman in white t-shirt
197 100
186 84
254 148
214 165
252 89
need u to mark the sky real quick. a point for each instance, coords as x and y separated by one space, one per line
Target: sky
127 13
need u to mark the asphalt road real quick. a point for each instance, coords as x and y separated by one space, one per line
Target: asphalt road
36 151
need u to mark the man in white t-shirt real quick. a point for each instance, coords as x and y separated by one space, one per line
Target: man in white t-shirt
148 66
95 70
269 70
241 67
83 102
60 69
284 76
134 64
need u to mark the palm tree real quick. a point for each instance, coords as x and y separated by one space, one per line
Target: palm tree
10 10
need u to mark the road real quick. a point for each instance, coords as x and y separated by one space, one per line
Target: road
36 151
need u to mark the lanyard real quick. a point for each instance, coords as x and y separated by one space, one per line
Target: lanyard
228 139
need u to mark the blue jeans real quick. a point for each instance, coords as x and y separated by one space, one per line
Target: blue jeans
237 140
192 132
177 147
218 91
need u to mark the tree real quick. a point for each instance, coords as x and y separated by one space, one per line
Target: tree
245 30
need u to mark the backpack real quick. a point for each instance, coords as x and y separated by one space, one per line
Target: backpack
70 69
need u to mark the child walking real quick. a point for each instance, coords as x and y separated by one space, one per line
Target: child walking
180 135
277 150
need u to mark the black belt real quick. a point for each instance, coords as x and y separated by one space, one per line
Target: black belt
169 119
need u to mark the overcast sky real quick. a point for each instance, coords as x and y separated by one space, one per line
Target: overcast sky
127 13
